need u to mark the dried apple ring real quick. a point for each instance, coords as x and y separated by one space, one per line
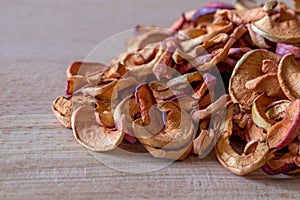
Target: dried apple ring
255 152
248 68
88 133
289 76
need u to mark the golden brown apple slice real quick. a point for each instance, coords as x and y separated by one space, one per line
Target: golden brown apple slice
88 133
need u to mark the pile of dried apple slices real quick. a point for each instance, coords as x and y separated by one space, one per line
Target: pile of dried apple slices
164 91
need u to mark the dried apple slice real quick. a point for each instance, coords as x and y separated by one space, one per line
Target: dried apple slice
155 35
104 90
242 16
104 114
283 49
248 68
88 133
204 142
284 132
62 109
282 162
259 107
267 83
84 68
177 154
219 104
76 82
255 152
289 76
178 131
276 110
285 31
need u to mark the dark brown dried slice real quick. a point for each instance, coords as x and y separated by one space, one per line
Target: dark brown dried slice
88 133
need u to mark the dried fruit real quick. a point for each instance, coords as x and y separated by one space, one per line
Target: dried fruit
255 151
284 132
259 115
87 131
289 76
62 109
165 91
248 68
285 31
178 130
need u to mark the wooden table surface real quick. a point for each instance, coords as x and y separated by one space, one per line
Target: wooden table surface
39 159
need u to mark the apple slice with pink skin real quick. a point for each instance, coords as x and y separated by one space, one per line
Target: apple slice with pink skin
284 132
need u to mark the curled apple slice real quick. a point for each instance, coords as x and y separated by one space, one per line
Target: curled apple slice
289 76
84 68
255 151
88 133
259 107
177 154
62 109
276 110
178 131
284 132
104 114
281 162
248 68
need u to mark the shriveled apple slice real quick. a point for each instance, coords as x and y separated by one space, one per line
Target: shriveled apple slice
204 142
289 76
177 154
104 114
282 162
255 151
62 109
284 132
142 40
88 133
259 111
125 113
84 68
179 129
219 104
248 68
104 90
276 110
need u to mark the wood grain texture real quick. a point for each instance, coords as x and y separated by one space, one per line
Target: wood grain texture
39 159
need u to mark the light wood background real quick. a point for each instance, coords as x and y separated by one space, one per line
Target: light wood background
39 159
